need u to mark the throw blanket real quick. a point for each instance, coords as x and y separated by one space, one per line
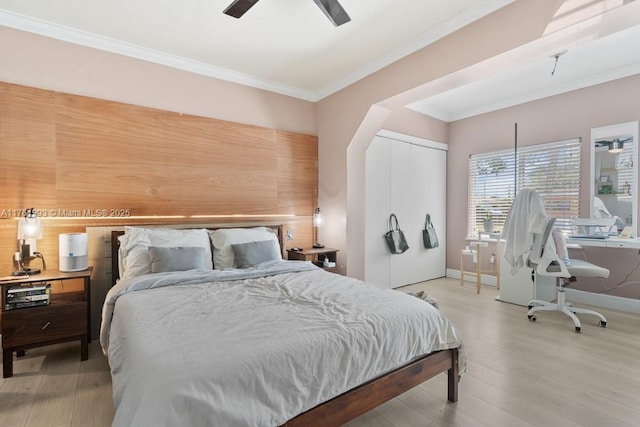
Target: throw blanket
526 218
523 232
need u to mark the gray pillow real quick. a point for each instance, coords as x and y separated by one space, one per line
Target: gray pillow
252 253
176 259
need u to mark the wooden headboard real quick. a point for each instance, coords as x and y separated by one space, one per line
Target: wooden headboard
115 244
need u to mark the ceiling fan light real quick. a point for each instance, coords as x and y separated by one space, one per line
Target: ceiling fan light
616 146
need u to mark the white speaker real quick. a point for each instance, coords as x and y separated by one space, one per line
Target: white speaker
73 251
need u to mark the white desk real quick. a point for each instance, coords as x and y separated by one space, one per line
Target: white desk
524 286
609 242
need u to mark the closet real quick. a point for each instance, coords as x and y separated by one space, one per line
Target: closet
404 175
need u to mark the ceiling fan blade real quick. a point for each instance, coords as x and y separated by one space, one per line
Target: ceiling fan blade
609 141
334 11
239 7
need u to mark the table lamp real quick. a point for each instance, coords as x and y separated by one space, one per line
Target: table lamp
318 222
29 230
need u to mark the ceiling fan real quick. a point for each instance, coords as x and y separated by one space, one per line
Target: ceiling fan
331 8
614 145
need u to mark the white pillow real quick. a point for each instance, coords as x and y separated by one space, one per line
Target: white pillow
223 238
135 263
135 243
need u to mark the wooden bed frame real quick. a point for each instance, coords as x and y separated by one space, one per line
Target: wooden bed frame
369 395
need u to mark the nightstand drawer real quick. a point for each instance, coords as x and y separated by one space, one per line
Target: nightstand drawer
26 326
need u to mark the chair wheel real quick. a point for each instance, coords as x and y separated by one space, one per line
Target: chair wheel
530 306
578 329
603 324
532 318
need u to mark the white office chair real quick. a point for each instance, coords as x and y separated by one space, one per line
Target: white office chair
528 232
576 268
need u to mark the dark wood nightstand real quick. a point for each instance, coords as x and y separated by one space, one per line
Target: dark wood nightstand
315 255
66 318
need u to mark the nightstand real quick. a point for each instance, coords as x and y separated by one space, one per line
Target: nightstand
315 255
66 318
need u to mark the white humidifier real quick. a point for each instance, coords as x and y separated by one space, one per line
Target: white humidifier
73 252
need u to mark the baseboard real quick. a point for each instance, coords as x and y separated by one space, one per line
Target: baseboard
600 300
485 279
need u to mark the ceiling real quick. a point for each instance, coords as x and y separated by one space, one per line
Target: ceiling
590 51
285 46
290 47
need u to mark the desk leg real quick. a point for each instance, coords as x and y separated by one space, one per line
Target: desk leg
461 267
478 269
498 264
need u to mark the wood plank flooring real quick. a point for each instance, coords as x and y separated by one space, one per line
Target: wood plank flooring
520 373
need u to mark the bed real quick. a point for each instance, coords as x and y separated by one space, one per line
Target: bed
255 340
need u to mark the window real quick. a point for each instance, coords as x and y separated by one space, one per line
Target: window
552 169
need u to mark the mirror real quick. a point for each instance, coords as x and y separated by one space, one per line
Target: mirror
614 174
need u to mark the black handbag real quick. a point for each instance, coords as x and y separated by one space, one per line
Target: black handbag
395 237
429 237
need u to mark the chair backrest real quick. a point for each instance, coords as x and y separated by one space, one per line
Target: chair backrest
540 240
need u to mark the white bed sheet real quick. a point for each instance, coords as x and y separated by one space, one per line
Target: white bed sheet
259 351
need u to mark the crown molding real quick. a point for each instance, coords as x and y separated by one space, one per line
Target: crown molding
83 38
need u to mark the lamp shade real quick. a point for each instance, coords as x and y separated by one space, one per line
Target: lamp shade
318 218
29 228
616 146
318 222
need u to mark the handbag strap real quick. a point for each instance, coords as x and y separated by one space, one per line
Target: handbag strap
393 222
427 222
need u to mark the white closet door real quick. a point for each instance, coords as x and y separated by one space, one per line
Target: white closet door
402 202
377 205
428 182
410 181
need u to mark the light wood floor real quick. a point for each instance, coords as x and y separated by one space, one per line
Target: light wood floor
519 374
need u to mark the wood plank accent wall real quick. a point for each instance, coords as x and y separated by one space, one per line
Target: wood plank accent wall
68 154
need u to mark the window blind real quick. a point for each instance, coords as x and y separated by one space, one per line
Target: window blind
552 169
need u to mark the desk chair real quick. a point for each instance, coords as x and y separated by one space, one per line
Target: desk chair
576 268
528 230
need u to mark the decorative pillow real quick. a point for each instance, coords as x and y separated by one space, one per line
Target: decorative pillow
252 253
135 244
176 259
223 238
